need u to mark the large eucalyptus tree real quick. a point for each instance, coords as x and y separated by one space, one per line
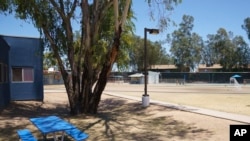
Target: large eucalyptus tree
246 26
102 25
186 46
232 53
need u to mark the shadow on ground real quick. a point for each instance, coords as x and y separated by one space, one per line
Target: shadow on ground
33 109
16 116
117 120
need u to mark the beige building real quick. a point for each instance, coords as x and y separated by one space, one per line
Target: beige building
173 68
205 68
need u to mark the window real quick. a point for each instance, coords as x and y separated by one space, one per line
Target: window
22 74
27 74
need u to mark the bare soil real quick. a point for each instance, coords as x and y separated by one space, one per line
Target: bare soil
118 120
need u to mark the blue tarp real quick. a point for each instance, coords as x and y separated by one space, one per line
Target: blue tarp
236 76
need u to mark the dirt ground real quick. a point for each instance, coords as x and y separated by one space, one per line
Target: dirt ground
118 120
220 97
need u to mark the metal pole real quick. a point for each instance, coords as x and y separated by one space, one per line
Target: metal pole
145 97
145 63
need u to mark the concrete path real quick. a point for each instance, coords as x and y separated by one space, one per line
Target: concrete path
213 113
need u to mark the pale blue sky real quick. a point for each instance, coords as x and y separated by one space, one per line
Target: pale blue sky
209 16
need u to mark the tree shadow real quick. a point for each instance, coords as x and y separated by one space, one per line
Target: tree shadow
16 116
29 109
117 119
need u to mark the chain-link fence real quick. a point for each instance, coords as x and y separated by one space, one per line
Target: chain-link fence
166 77
52 78
210 77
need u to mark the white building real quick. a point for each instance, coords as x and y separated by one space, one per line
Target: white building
138 78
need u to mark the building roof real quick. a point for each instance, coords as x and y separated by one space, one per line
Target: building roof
136 75
214 66
201 66
14 36
163 67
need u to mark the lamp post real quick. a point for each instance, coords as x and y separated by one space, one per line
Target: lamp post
145 96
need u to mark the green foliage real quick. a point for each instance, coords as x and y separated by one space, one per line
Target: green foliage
242 52
5 6
48 60
232 53
246 26
105 37
158 11
156 54
186 46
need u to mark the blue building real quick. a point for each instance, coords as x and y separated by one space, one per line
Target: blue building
4 73
21 69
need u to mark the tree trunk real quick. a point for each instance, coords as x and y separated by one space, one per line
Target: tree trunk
84 99
103 77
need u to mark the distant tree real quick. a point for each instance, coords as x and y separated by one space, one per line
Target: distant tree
186 46
156 54
246 26
208 52
102 24
160 55
242 53
225 49
49 60
222 49
195 51
136 54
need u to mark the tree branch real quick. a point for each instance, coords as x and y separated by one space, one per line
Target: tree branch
125 13
116 11
60 9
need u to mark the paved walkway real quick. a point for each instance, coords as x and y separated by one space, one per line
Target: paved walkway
213 113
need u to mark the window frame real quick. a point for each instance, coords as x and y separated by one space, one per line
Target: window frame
23 75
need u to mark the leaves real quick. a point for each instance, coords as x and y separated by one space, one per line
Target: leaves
186 46
246 26
156 54
225 49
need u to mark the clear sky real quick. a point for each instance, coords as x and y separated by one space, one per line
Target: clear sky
209 16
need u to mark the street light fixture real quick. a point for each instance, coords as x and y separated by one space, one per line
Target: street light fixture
145 96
